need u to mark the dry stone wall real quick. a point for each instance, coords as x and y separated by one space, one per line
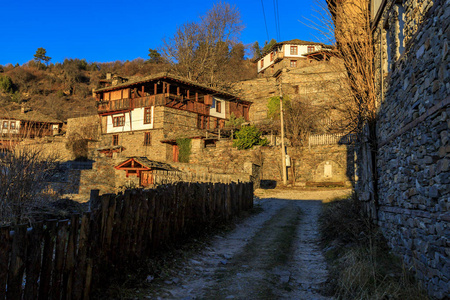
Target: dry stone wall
413 130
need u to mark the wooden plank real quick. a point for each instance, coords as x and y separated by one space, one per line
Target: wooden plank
69 268
33 262
60 255
5 250
17 264
47 259
83 244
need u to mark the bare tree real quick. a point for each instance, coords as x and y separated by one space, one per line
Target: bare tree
23 179
199 50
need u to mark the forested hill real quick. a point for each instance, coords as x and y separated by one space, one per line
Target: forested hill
64 90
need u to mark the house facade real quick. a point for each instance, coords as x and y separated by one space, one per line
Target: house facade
25 124
145 117
287 54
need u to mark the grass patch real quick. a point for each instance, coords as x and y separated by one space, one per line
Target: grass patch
361 265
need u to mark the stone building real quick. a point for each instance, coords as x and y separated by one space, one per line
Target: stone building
411 68
412 74
287 54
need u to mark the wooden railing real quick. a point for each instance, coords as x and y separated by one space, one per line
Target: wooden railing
330 139
65 259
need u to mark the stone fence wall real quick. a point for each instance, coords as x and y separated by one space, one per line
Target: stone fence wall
414 152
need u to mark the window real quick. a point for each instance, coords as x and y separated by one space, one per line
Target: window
147 139
262 63
218 106
271 56
115 140
294 50
311 49
293 64
5 124
148 115
118 121
12 125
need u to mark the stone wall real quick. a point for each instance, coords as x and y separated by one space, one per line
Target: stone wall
307 163
413 130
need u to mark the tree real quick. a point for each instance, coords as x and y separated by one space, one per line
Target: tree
41 56
154 55
247 137
268 45
256 50
200 50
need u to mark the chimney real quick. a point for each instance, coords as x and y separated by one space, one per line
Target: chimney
108 76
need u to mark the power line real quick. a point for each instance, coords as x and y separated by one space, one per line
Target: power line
276 19
265 21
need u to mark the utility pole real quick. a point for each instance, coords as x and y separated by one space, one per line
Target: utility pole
283 151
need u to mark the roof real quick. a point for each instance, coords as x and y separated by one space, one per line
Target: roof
147 163
165 75
30 116
293 42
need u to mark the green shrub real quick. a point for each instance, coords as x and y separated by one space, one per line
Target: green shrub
247 137
234 122
184 150
6 84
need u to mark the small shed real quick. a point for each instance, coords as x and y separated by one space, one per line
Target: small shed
143 167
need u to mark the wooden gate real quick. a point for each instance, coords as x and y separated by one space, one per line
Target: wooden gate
146 178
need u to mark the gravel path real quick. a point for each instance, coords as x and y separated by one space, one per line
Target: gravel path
271 255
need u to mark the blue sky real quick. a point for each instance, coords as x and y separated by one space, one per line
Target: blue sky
103 31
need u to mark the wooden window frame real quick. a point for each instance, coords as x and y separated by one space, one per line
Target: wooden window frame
12 125
5 125
148 115
293 64
294 50
118 121
147 139
262 63
271 56
218 106
311 48
115 140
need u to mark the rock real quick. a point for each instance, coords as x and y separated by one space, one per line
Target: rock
149 278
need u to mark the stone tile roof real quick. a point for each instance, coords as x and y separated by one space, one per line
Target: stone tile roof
30 116
153 164
166 75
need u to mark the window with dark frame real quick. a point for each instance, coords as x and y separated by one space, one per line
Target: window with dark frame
294 50
12 125
115 139
147 139
293 64
262 63
271 56
148 115
119 121
311 49
218 106
5 124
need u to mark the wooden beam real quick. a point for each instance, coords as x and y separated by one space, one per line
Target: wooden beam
142 93
178 91
168 88
196 97
155 88
187 94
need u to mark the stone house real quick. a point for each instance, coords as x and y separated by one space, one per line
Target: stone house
145 116
287 54
25 124
411 68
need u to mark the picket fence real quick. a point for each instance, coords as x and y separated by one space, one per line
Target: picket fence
67 259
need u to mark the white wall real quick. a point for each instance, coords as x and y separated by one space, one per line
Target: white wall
212 110
136 122
9 130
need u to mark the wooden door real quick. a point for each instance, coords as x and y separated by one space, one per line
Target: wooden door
175 153
146 178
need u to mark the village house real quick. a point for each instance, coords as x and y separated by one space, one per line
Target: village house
25 123
146 116
287 54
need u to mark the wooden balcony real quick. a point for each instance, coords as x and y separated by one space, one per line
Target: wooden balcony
279 56
170 100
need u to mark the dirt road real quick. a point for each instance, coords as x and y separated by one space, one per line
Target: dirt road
271 255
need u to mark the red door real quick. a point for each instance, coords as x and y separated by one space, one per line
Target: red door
175 153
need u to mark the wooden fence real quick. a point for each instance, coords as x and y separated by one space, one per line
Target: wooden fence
170 177
67 258
330 139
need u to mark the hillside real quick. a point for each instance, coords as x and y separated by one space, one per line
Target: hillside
64 90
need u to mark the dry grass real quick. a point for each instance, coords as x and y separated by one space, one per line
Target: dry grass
361 265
